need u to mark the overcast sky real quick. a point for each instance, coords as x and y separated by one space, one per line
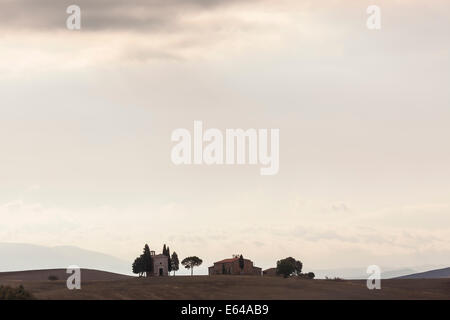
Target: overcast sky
364 118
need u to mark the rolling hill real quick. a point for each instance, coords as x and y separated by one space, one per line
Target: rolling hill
224 287
59 274
432 274
19 257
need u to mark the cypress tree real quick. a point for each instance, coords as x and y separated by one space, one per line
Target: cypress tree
169 263
175 264
241 262
147 261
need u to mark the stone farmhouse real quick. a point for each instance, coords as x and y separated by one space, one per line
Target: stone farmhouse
231 266
270 272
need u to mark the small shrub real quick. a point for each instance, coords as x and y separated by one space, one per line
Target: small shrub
52 277
334 279
309 275
19 293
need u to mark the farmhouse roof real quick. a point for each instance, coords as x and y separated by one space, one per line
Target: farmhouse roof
231 260
227 260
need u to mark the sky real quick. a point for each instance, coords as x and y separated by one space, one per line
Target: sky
86 118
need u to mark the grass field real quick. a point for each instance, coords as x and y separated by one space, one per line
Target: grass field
104 285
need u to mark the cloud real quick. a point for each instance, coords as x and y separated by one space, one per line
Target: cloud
119 31
356 131
138 15
140 31
122 232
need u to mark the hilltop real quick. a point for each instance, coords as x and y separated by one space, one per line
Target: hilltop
432 274
102 285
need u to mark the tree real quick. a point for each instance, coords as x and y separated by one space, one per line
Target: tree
289 266
174 263
298 267
191 262
241 262
147 262
311 275
137 266
166 252
169 263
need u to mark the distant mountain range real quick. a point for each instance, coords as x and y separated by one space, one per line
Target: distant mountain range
432 274
359 273
386 273
18 257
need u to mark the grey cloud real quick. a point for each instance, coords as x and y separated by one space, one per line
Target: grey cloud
140 15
